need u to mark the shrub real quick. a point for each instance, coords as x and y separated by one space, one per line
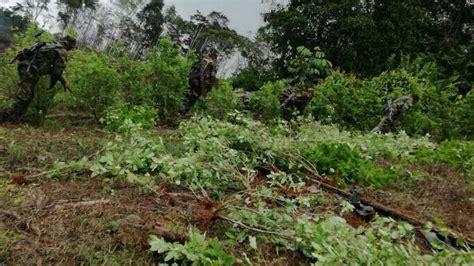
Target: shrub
168 80
265 103
342 99
222 100
125 157
464 114
94 82
307 66
341 160
196 251
117 117
393 84
136 75
252 77
456 153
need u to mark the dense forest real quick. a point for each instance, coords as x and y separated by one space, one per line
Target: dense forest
340 133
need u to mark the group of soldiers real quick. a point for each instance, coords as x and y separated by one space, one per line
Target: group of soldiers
50 59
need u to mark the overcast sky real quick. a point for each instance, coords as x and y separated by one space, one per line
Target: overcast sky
244 15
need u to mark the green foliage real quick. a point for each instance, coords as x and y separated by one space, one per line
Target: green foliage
265 103
251 78
393 84
360 36
333 241
125 157
343 100
329 239
117 118
222 100
464 112
341 160
308 66
135 76
213 152
221 157
371 146
456 153
359 104
93 80
196 251
168 80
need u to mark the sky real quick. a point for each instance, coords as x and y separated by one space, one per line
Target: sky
244 15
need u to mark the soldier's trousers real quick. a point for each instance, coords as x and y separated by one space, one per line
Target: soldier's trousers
194 93
23 96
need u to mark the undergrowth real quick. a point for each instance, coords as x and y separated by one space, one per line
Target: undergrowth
262 176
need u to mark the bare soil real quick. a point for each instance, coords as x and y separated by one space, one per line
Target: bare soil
443 196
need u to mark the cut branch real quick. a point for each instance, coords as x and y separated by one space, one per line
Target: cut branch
79 204
387 211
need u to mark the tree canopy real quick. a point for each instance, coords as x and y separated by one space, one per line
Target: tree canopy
359 36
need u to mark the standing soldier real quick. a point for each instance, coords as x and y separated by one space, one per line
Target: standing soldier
202 77
394 111
41 59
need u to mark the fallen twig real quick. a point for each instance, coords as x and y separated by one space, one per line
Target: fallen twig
387 211
71 115
78 204
10 214
21 224
254 228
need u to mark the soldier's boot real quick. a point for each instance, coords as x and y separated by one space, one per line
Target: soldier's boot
16 110
21 101
4 115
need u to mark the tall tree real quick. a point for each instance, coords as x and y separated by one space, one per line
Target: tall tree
359 36
151 20
32 8
10 20
176 28
70 10
203 32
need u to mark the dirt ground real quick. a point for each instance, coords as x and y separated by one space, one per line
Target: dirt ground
76 219
442 197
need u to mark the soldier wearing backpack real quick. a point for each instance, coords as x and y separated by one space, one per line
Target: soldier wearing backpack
38 60
202 77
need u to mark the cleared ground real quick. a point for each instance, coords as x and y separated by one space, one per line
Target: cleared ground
74 219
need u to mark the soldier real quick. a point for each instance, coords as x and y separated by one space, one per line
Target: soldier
394 111
42 59
292 99
202 77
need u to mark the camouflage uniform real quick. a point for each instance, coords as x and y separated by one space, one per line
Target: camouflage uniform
394 111
202 78
292 99
50 60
